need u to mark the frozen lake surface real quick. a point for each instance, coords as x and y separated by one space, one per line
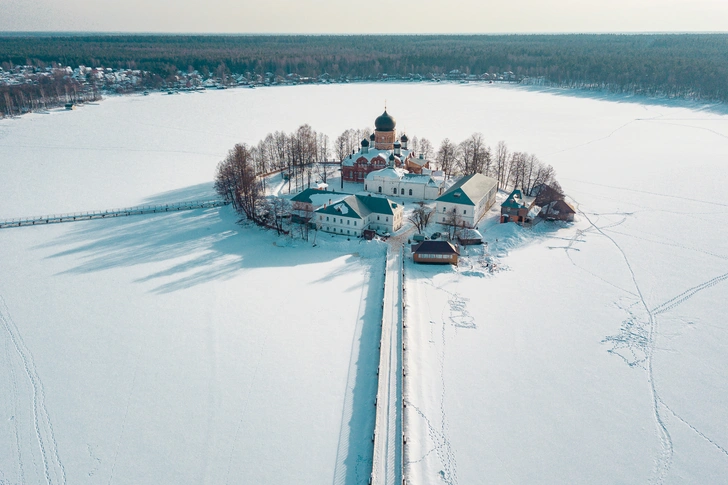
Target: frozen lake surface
186 348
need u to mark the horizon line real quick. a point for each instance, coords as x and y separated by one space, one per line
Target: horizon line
20 33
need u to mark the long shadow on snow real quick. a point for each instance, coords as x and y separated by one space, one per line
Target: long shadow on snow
713 107
358 461
205 244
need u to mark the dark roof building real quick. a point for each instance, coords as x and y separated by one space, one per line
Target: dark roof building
435 252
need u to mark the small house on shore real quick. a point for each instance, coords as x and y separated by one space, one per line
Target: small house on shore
558 210
435 252
518 208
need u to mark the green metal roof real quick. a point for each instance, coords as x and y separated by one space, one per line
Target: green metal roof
359 206
468 190
343 208
517 201
379 205
305 196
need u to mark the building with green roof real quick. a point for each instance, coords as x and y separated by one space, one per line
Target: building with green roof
351 215
466 202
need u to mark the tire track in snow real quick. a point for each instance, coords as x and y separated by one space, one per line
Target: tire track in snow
53 468
664 461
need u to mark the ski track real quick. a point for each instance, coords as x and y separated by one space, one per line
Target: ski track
595 140
53 469
14 394
244 408
578 235
455 311
687 294
671 244
694 429
638 340
711 203
684 125
446 453
664 461
126 414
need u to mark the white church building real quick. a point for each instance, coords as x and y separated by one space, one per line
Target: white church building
397 182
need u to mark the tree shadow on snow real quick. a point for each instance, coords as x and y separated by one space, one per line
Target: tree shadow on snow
713 107
200 245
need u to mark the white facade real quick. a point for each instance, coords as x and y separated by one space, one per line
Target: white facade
468 200
396 182
352 215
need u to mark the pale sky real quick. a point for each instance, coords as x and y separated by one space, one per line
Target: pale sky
375 16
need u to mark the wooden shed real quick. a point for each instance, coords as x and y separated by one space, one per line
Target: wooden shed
468 237
435 252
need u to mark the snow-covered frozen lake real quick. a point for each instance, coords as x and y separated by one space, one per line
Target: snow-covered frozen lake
185 348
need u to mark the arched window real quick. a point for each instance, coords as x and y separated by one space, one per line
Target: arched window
380 189
394 191
402 192
410 191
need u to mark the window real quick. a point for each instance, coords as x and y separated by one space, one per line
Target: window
394 191
365 186
327 218
444 209
377 217
402 192
321 218
410 191
348 222
464 212
347 231
380 189
341 220
355 223
386 218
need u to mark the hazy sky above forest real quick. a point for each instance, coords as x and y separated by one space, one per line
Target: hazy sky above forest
376 16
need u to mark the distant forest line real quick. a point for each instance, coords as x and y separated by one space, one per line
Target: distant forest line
692 66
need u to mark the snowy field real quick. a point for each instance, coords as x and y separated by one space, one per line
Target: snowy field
184 348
